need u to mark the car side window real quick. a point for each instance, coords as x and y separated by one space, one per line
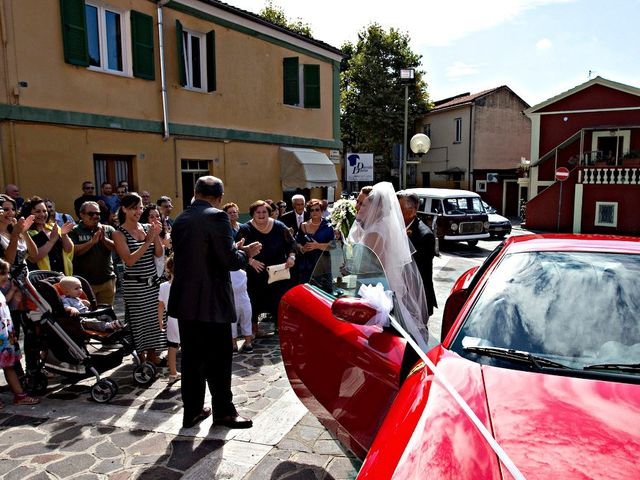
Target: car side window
342 270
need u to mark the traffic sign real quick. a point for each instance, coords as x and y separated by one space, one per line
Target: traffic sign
562 173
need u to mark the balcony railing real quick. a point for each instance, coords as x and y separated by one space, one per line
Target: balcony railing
609 176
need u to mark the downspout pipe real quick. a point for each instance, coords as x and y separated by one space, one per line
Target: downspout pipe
471 119
163 79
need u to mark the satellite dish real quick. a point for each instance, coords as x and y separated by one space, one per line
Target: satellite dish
420 144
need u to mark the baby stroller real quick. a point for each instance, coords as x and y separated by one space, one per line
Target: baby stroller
58 342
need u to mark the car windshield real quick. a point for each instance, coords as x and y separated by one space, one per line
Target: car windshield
576 308
488 208
463 205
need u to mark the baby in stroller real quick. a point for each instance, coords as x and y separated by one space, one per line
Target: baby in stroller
74 305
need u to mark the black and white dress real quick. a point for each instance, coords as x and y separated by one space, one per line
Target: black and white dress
140 290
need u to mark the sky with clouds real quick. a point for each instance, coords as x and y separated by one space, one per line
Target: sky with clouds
539 48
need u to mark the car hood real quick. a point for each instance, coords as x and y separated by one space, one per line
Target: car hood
550 426
563 427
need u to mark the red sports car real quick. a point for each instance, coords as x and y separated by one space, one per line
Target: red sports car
537 374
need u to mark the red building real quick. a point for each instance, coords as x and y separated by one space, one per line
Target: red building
594 131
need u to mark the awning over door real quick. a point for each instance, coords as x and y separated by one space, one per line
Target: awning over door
306 168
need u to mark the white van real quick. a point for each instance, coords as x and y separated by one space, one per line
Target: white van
459 214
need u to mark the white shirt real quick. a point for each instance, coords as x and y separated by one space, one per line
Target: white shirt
300 219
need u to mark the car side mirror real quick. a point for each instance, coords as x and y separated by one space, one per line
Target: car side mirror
451 310
353 310
457 298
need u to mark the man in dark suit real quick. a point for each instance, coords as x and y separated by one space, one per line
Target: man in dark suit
294 218
201 298
423 240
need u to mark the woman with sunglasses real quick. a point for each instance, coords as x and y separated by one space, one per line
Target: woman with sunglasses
314 237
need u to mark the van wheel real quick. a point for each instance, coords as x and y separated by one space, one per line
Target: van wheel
472 243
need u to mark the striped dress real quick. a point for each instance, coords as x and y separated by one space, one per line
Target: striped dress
141 299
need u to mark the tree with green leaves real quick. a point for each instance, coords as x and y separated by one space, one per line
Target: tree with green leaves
372 95
275 14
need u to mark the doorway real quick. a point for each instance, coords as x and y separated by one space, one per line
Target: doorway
192 170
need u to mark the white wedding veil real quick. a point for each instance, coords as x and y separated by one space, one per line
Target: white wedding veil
380 226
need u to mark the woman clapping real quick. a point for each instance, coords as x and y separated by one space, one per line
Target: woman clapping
137 244
278 247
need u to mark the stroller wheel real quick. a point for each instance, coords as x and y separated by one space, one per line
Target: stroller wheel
103 391
113 384
144 374
35 383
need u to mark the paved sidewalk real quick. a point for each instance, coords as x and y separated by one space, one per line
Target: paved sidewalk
139 433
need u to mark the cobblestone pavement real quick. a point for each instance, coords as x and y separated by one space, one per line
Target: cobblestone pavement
139 433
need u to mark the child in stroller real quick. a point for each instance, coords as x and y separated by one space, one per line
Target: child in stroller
74 305
76 345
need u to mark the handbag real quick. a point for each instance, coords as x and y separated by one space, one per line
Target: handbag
278 272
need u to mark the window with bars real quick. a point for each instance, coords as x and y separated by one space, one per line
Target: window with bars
606 214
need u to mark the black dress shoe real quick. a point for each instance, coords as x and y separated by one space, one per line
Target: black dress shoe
206 411
233 421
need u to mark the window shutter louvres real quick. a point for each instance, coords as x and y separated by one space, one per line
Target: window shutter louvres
311 86
291 87
211 61
74 32
182 73
142 45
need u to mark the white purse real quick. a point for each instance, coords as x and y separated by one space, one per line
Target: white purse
278 272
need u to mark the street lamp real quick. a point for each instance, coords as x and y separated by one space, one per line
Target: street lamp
407 76
420 144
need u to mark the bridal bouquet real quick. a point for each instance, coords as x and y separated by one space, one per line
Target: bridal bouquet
343 215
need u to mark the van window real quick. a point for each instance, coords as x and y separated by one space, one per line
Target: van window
435 206
462 205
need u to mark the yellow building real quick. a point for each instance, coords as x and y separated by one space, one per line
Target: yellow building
160 92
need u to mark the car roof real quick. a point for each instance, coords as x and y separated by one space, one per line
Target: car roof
441 192
572 243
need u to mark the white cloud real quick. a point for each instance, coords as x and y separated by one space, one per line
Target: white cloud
461 69
543 44
427 23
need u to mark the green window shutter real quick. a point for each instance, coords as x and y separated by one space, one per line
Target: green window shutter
290 81
142 45
74 32
211 61
182 74
311 86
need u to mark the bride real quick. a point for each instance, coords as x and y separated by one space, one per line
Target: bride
380 226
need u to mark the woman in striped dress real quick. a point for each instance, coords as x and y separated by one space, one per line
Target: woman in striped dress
137 244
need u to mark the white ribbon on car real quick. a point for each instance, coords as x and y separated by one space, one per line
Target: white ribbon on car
502 455
381 300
